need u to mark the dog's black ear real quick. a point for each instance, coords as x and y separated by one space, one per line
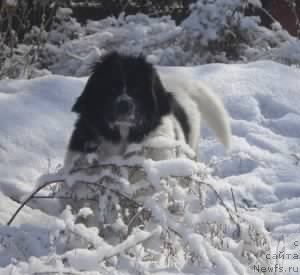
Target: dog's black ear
81 102
97 69
163 97
102 68
78 106
109 61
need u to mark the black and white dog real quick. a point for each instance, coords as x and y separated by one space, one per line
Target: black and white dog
125 101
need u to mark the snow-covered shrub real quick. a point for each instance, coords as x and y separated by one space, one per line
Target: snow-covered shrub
64 27
22 43
25 60
219 30
149 212
23 27
215 31
132 34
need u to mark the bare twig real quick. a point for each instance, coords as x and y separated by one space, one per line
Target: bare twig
42 186
49 21
127 244
77 56
98 184
106 165
47 183
52 197
297 159
133 219
220 200
123 5
233 198
277 249
268 14
56 273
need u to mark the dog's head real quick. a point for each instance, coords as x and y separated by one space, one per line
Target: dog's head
123 91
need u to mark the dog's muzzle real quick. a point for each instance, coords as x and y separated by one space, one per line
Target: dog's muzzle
124 107
124 110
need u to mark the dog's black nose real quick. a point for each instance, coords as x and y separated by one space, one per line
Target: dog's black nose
124 107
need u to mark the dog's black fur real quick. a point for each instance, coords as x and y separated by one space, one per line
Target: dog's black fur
99 108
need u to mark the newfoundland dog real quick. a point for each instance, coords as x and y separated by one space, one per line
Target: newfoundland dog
126 101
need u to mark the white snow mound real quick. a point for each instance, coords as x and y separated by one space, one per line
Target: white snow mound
259 180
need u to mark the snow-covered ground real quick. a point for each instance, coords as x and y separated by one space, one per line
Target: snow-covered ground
263 100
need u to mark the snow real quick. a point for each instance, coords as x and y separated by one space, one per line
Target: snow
177 167
11 3
34 129
260 174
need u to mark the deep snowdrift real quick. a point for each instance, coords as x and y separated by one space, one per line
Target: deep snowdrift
263 100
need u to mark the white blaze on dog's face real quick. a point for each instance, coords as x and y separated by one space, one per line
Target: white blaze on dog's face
124 109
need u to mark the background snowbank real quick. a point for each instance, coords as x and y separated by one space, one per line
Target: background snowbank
262 169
